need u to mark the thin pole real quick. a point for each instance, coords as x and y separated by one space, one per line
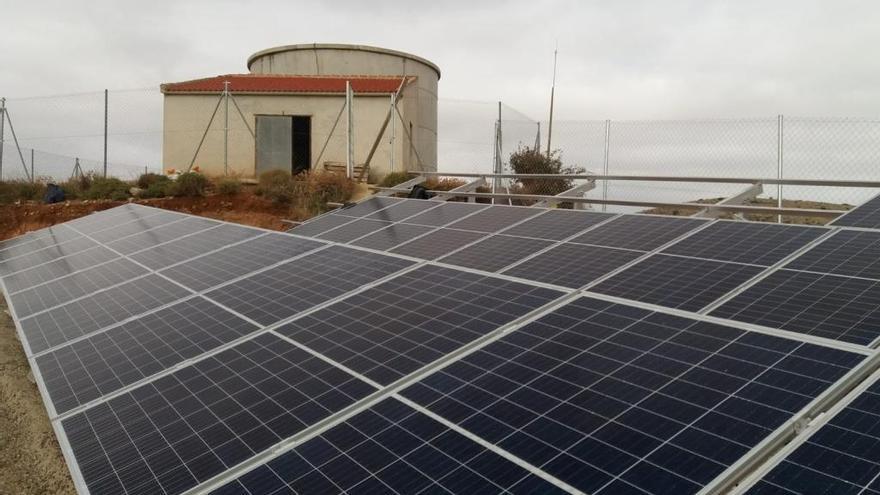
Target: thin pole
779 158
2 137
106 107
207 128
349 144
33 179
226 129
605 165
552 95
15 140
393 120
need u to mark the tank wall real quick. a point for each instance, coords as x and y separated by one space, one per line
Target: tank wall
419 105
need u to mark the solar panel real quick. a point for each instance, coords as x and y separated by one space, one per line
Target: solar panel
614 399
401 325
746 242
495 218
404 209
321 224
684 283
557 224
496 252
840 457
62 290
158 235
184 428
389 448
847 252
391 236
91 368
572 265
107 231
369 206
866 215
235 261
45 255
57 268
353 230
831 306
101 309
191 246
273 295
437 243
644 233
98 221
36 240
446 213
159 382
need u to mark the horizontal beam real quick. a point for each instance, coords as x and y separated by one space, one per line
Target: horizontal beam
661 178
772 210
742 197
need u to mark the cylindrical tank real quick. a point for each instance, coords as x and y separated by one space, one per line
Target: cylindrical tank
419 103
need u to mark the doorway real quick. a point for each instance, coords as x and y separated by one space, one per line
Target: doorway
284 142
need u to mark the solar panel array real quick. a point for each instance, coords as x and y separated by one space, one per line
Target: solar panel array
411 346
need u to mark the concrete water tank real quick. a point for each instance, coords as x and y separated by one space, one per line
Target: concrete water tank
419 101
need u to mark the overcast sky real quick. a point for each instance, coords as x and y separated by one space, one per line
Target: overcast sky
625 59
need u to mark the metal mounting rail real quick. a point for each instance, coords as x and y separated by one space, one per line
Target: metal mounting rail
772 210
661 178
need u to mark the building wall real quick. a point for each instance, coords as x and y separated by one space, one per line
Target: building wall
419 104
186 116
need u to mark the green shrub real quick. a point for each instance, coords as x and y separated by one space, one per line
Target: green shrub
107 188
189 184
20 190
313 191
277 185
395 178
147 180
228 186
158 189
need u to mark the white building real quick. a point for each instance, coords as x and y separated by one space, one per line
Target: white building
292 100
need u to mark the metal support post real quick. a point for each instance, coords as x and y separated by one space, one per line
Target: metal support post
106 108
33 177
349 161
393 120
605 163
226 129
779 137
2 129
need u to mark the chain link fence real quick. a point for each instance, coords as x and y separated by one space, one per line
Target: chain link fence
479 137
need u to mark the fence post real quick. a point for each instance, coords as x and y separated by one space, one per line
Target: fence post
779 162
2 129
33 177
106 107
605 164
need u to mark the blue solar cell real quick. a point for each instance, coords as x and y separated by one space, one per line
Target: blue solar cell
611 398
389 448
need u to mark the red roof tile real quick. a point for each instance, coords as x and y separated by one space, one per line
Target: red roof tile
265 83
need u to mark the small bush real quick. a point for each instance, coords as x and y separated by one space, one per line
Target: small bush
394 178
189 184
277 185
20 190
147 180
314 191
157 190
228 186
76 187
107 188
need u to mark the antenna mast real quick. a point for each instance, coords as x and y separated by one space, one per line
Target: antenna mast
552 94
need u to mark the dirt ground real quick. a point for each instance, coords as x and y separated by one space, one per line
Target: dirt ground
30 459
